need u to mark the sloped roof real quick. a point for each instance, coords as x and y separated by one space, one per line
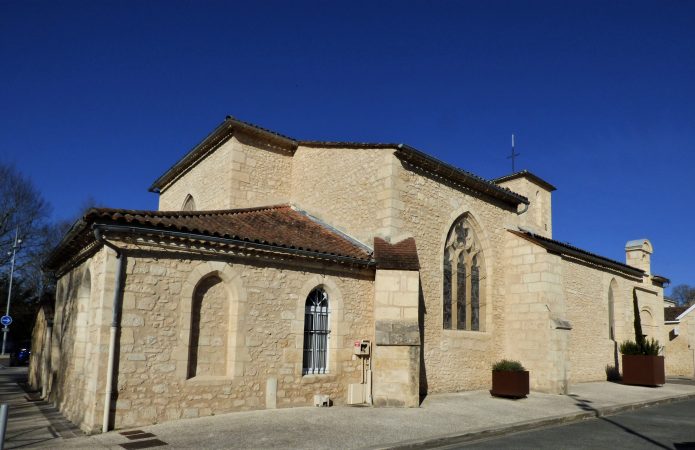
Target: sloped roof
404 152
280 227
399 256
671 314
563 248
526 174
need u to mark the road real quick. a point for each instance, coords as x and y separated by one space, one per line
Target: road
670 426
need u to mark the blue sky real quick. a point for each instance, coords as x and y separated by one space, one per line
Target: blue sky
99 98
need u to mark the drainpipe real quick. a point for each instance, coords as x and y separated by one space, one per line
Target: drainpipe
518 213
115 319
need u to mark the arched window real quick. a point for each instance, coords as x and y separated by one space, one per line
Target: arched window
316 332
188 204
209 326
463 270
611 310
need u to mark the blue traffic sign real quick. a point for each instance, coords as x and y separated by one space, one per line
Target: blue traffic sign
6 320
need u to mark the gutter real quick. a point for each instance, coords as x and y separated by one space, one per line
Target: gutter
234 242
425 161
115 322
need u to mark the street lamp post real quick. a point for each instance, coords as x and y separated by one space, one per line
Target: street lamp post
5 329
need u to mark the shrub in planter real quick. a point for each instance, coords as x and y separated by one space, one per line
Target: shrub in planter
642 364
509 379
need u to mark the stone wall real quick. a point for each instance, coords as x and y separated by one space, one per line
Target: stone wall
243 172
538 217
679 350
396 361
536 315
264 346
590 347
454 360
349 188
78 343
209 183
40 339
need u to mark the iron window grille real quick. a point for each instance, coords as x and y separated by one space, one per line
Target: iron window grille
316 333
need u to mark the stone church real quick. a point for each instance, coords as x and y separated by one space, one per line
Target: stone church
279 272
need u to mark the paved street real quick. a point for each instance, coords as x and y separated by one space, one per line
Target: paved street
670 426
441 420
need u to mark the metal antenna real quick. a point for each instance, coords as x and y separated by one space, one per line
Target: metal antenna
513 155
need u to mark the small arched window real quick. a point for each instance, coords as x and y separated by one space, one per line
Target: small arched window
611 310
188 204
463 270
316 331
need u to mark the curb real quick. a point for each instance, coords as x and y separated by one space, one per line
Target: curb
486 433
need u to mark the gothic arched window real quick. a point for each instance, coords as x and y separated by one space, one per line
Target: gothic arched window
463 270
188 204
316 333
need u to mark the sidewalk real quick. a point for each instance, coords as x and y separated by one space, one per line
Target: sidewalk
31 422
444 419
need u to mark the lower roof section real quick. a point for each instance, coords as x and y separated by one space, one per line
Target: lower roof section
280 228
564 249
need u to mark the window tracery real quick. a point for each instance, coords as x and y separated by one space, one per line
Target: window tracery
462 274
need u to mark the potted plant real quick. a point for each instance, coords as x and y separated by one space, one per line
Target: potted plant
509 379
642 364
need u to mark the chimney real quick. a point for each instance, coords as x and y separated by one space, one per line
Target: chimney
638 254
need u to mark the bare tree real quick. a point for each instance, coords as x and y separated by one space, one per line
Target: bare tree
21 208
683 294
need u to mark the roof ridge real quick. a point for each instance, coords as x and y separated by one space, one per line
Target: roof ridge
170 213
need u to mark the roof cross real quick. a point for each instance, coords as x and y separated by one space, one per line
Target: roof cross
513 155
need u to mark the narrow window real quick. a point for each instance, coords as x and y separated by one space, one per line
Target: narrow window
611 311
463 262
447 290
461 292
475 295
316 333
188 204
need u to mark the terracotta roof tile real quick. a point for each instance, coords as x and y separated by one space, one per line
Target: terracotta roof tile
279 226
399 256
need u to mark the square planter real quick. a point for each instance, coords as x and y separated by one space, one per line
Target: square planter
643 370
510 384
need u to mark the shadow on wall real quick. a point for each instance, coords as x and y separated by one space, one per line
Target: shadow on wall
422 311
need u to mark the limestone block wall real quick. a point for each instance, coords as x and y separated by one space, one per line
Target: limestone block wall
260 173
539 216
264 342
78 343
243 172
679 351
396 360
591 349
39 350
349 188
537 324
209 182
454 360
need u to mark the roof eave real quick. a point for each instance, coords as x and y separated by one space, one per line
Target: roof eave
212 141
525 173
421 159
561 249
